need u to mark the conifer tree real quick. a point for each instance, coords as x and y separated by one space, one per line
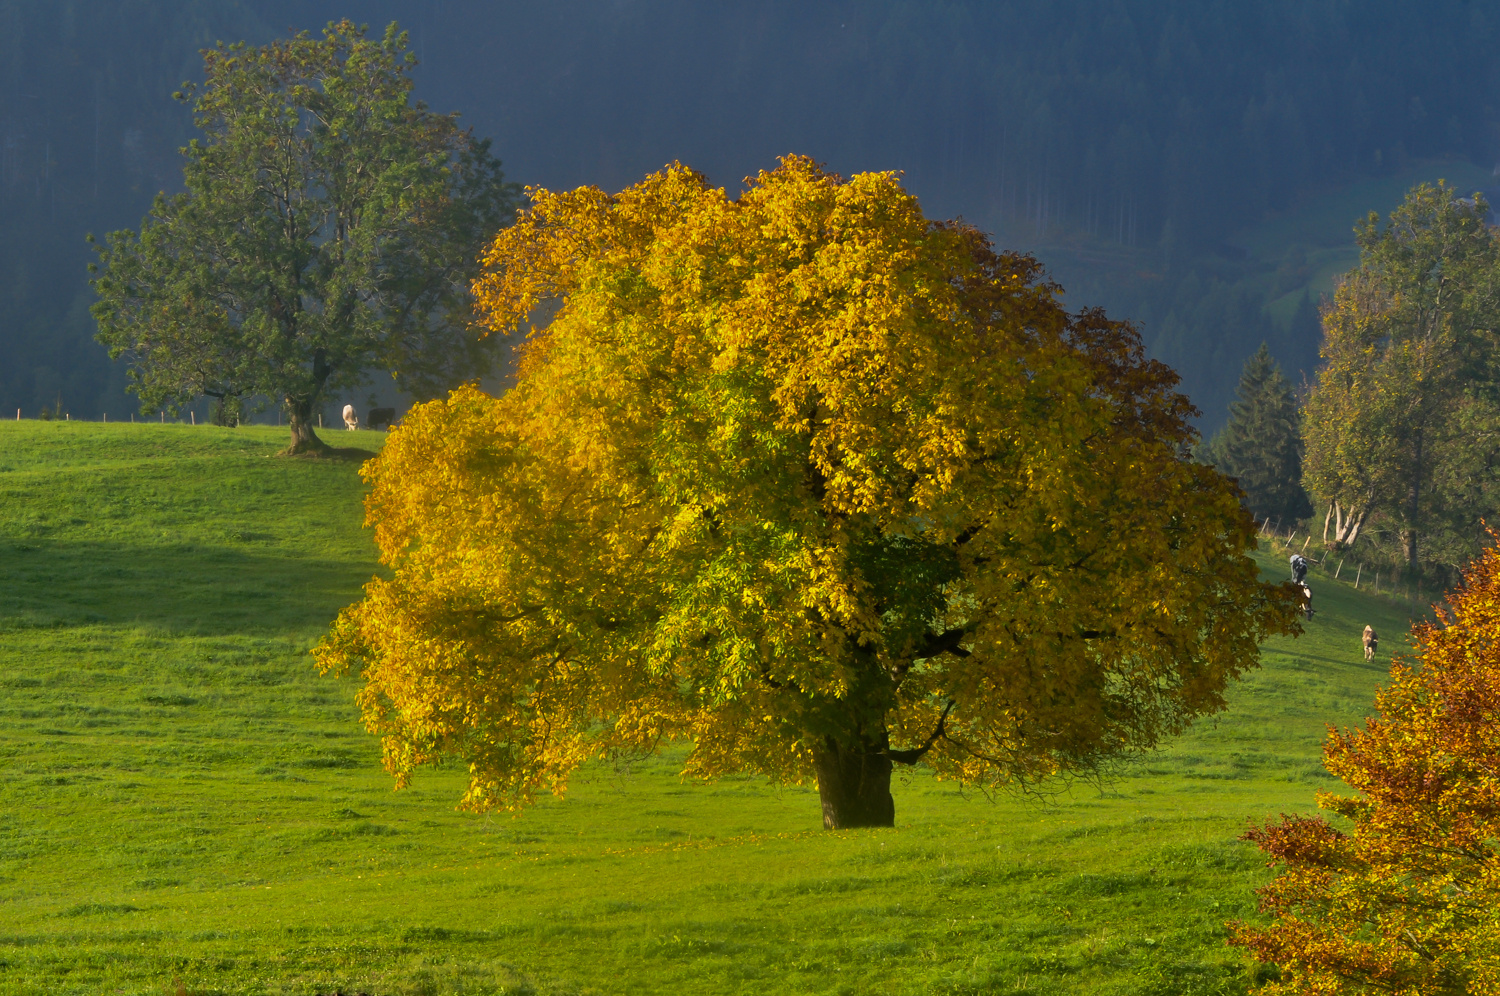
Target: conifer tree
1262 443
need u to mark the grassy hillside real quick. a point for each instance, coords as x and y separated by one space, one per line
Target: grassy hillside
182 797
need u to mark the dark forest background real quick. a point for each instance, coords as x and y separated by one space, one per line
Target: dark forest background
1195 166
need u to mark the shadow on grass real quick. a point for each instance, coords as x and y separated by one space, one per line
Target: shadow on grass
345 453
188 587
1379 665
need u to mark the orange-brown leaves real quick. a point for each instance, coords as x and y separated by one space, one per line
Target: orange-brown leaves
1407 900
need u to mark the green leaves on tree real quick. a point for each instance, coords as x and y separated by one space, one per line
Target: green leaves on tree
1261 445
329 226
1401 421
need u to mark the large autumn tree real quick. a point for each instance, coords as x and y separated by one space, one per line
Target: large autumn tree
1403 895
329 226
809 481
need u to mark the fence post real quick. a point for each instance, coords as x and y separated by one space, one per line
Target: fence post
1358 574
1340 570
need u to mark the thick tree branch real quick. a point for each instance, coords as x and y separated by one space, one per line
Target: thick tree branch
969 533
492 616
939 643
914 754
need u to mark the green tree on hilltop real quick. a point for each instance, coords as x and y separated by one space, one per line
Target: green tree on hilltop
1262 443
330 226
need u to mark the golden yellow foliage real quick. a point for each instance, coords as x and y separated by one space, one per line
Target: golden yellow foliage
799 477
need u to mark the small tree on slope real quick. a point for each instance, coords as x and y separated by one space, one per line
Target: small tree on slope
329 226
1261 445
1407 899
810 481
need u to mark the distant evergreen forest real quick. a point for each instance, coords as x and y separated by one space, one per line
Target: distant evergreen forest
1130 143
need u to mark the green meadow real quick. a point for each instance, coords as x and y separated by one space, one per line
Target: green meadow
186 806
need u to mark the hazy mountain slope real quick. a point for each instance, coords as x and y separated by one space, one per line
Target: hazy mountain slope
1127 140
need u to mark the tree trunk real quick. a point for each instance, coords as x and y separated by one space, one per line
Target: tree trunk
1413 510
855 786
300 418
226 411
1346 525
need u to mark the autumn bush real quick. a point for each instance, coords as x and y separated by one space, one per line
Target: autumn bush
1400 892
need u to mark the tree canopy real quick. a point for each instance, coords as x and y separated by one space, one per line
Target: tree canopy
1400 422
810 481
1261 445
329 226
1407 900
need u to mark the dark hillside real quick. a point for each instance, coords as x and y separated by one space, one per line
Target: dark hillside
1130 142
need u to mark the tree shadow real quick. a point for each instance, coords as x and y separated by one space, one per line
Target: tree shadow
353 454
241 586
1358 663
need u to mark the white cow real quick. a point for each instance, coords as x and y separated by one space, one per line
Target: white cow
351 420
1306 599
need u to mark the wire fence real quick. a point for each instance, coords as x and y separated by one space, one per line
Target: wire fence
1338 566
135 418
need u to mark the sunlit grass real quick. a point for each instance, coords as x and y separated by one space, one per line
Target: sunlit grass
182 797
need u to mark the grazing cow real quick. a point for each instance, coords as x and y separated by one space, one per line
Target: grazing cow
1299 568
380 416
351 420
1371 642
1307 600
